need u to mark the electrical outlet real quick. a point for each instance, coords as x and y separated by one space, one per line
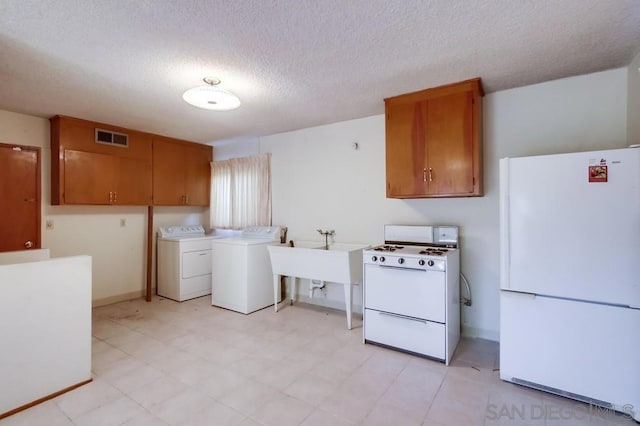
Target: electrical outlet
49 224
123 222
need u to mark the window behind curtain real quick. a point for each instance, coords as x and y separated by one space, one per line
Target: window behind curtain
241 192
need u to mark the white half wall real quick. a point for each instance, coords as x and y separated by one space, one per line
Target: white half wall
319 179
118 253
45 324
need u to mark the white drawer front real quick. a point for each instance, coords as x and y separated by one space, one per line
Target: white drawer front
413 293
195 287
423 337
195 263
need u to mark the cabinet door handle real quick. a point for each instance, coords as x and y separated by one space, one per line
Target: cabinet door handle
110 197
430 174
424 174
115 197
186 199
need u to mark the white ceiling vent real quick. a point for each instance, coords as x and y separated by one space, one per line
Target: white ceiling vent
108 137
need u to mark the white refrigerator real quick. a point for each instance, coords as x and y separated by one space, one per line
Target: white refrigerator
570 276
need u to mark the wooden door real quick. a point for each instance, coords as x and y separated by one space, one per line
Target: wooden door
89 177
449 141
197 176
168 173
405 149
19 197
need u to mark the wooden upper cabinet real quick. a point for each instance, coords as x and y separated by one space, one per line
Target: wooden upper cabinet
133 182
89 177
434 142
168 173
198 174
181 172
84 171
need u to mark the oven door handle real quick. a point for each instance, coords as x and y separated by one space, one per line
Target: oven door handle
387 314
402 267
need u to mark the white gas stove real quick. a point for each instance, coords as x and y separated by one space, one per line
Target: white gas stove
411 291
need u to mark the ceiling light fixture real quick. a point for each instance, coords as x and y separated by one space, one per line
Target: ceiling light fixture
211 97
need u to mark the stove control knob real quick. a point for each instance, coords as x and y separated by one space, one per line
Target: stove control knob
421 262
431 263
374 258
401 261
381 258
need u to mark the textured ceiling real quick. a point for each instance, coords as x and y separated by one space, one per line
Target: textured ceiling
293 63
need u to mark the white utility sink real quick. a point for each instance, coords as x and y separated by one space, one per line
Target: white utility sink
342 263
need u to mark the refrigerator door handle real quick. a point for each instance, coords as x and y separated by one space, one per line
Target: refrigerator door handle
518 294
505 261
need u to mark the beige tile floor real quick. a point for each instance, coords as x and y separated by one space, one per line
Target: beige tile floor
193 364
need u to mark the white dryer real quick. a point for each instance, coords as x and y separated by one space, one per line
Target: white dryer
241 269
184 262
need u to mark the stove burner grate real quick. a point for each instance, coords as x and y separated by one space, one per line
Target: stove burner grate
434 251
388 248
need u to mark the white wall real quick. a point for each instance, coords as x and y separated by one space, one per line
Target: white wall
237 147
633 113
321 181
118 253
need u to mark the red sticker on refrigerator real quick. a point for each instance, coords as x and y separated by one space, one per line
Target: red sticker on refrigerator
598 174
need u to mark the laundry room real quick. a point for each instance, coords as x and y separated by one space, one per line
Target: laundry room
233 214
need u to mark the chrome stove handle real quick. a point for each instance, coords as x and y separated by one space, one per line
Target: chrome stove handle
402 267
387 314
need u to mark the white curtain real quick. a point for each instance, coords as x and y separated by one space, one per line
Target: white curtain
241 192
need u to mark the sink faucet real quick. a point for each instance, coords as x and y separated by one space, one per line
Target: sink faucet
326 237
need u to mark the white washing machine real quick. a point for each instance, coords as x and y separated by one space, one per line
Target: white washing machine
184 262
241 270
